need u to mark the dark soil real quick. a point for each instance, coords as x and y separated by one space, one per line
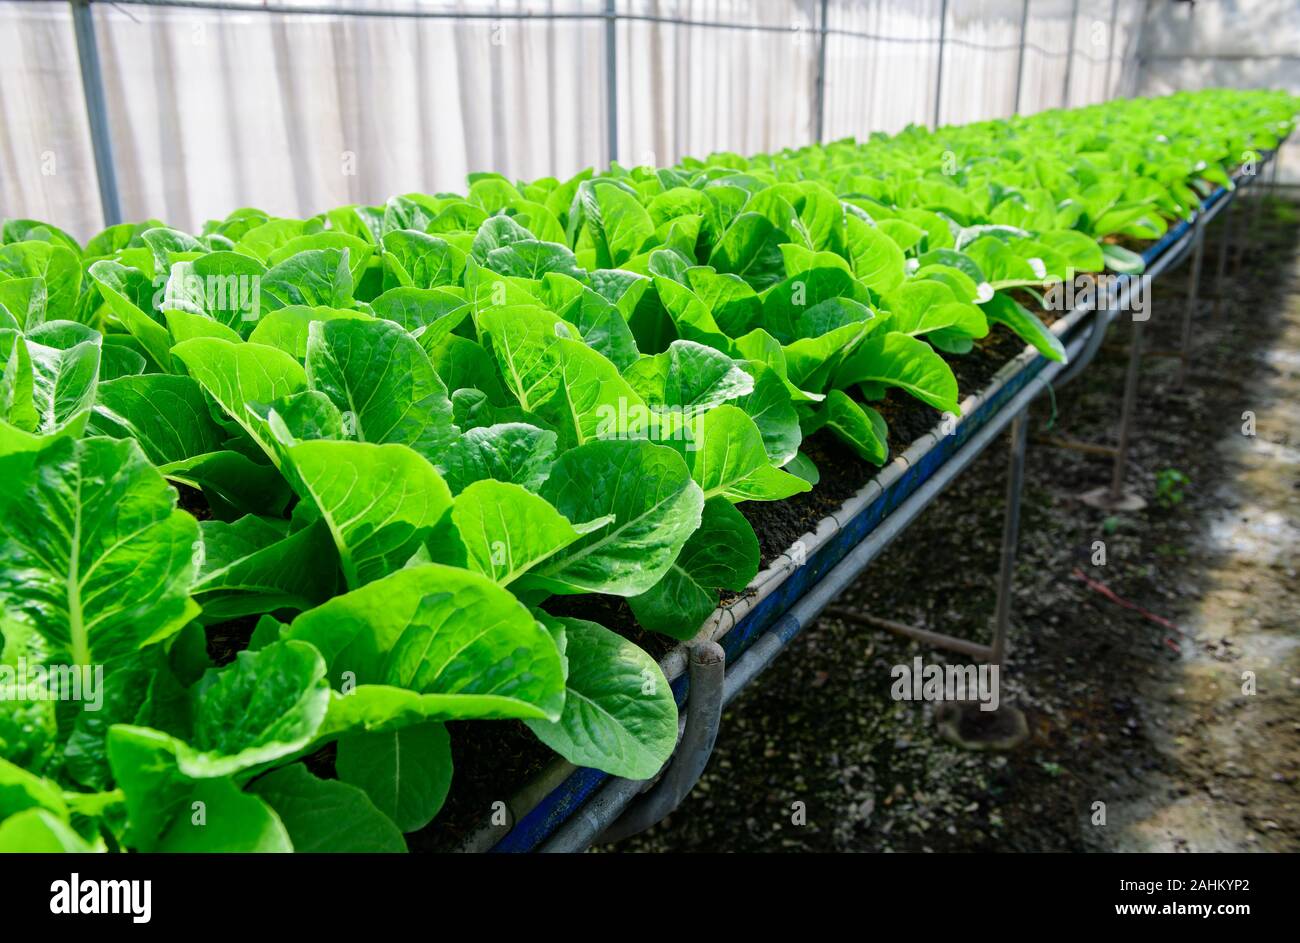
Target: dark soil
1121 710
778 524
193 500
492 761
989 355
228 639
612 612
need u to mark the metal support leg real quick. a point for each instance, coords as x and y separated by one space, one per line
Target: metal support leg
1010 537
1115 498
1271 190
819 87
1117 495
996 652
1247 237
1221 265
1193 295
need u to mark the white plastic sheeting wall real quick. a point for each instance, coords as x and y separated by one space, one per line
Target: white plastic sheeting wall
47 167
981 58
302 109
882 60
701 88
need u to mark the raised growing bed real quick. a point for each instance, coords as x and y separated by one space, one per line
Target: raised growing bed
563 793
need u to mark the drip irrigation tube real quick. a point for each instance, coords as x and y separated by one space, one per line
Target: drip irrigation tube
568 809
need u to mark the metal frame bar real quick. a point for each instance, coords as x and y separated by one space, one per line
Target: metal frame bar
819 88
92 86
1193 297
1110 46
1137 47
1221 264
1069 62
938 73
1128 405
1020 59
611 80
1010 537
421 14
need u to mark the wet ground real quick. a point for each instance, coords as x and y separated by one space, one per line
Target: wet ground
1161 688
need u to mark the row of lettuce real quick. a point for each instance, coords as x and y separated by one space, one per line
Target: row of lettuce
413 424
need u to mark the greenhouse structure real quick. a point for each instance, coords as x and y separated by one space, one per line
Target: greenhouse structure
461 426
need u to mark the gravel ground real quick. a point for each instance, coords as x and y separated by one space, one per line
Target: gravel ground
1151 721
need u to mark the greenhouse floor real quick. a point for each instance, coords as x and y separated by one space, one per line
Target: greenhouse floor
1122 710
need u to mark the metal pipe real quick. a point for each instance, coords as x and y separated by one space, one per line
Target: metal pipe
1010 537
92 85
1138 58
1020 58
935 639
285 9
611 81
1271 190
938 77
1253 209
582 829
1092 344
819 89
703 717
1073 445
1193 294
1126 412
1221 264
1069 63
418 13
1110 46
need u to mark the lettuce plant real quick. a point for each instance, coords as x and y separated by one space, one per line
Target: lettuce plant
400 430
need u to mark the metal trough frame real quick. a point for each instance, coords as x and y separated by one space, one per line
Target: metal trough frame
567 809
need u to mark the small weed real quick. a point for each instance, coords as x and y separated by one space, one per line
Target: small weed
1171 487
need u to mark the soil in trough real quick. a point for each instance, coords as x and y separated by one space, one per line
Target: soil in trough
492 760
778 524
